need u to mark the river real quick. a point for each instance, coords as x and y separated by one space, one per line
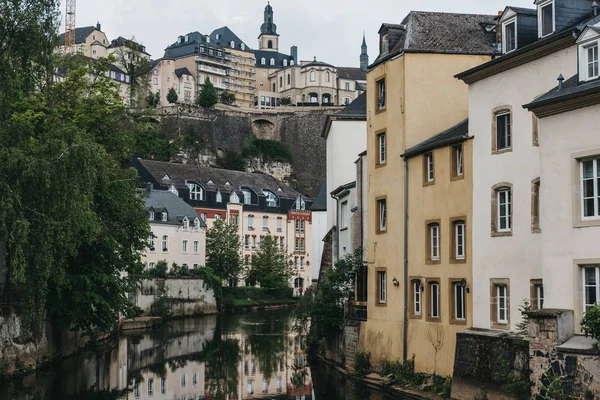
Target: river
229 357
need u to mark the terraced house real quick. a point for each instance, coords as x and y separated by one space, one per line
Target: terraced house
417 284
257 204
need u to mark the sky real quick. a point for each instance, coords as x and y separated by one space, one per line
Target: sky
330 30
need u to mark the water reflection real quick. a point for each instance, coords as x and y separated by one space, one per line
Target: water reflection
231 357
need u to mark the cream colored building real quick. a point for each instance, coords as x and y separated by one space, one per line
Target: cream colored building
90 41
412 95
164 76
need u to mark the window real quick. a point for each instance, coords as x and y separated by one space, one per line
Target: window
592 61
344 217
457 161
163 385
150 387
250 390
247 242
289 79
151 216
459 302
416 288
184 246
253 242
282 243
272 199
265 224
509 41
381 94
151 265
186 223
279 221
182 379
504 210
196 245
272 62
250 222
502 301
312 76
327 77
247 197
270 44
540 296
381 148
281 81
285 63
428 168
265 384
346 100
459 234
165 243
434 241
217 216
382 215
263 61
590 190
233 219
151 242
164 216
194 378
136 389
503 134
347 86
299 226
381 281
591 286
434 290
535 206
546 18
537 294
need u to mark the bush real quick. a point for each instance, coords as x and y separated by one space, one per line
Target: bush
362 363
160 271
590 325
442 386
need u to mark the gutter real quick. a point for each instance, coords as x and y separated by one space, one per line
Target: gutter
337 231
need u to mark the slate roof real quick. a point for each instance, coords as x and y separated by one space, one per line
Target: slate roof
390 26
122 42
571 88
358 108
354 74
279 57
524 11
161 200
343 188
80 35
320 203
316 63
179 72
195 39
226 36
179 173
455 134
63 70
436 32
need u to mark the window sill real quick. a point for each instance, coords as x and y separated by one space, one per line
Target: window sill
504 326
454 178
458 261
458 321
498 152
415 316
428 183
586 223
344 229
501 234
380 304
432 262
437 320
380 165
380 231
537 230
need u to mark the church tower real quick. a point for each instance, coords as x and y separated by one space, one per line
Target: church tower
268 40
364 56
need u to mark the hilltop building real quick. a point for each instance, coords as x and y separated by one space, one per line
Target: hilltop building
90 41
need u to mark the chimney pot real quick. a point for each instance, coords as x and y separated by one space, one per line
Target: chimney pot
98 26
560 80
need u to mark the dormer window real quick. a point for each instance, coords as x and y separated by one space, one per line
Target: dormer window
196 191
232 44
509 40
151 216
263 61
385 44
592 61
243 46
164 216
546 18
272 61
247 197
285 63
173 190
272 199
186 223
197 223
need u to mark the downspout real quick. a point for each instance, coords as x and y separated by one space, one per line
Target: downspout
405 334
337 233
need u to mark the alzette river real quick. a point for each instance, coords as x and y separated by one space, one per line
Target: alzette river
229 357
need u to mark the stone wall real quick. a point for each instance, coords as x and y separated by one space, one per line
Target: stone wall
482 357
185 296
351 336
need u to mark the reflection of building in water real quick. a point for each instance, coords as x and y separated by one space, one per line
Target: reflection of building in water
184 383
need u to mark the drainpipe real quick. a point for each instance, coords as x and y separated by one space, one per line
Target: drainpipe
337 234
405 335
362 213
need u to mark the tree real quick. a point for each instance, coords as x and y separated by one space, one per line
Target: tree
223 247
270 266
208 94
153 99
172 96
227 98
131 58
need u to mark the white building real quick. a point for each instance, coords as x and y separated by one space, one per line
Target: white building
507 239
319 229
178 233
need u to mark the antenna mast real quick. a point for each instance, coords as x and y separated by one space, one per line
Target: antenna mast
70 25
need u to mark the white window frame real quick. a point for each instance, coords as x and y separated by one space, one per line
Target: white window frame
272 199
507 208
196 246
382 204
165 243
584 286
272 62
430 166
382 276
507 131
459 160
505 24
247 197
502 293
382 148
539 291
250 222
186 223
434 288
344 216
459 232
184 246
151 216
150 387
151 242
459 307
541 18
279 222
587 49
219 197
381 100
265 223
417 306
434 240
164 216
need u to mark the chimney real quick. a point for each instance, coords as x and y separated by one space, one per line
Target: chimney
560 80
294 54
499 29
98 26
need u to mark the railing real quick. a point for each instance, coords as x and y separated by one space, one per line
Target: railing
357 310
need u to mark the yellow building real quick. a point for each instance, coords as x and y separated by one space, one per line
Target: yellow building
412 95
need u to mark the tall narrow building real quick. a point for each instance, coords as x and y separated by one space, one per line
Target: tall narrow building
364 56
268 39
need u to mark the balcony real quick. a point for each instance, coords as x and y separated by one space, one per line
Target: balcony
356 310
213 70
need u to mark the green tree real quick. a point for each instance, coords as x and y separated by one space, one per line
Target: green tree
131 58
270 266
208 94
223 247
172 96
153 99
227 98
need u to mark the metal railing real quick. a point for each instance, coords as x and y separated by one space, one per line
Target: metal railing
357 310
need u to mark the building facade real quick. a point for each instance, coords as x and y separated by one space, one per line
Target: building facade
90 41
416 59
164 76
257 204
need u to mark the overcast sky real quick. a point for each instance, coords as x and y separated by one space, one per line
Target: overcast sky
331 30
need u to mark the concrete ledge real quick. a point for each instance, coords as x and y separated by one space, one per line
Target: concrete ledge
579 344
139 323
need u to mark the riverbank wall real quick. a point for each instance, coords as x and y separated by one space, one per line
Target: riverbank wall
176 297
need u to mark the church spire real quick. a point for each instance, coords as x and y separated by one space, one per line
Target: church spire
268 27
364 55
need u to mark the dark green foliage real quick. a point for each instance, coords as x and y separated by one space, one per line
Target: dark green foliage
208 96
172 96
160 270
268 150
442 386
161 307
223 247
270 266
231 160
151 143
153 99
525 307
127 57
227 98
553 388
362 363
285 101
590 324
510 380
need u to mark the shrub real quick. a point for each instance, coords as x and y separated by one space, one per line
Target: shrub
525 307
590 325
442 386
160 271
362 363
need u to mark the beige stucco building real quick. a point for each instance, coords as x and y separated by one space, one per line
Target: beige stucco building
412 96
164 76
90 41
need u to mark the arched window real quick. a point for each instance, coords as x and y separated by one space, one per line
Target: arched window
270 44
328 77
272 199
272 61
232 44
165 243
196 191
219 197
298 283
289 81
274 88
164 216
459 245
326 98
281 81
263 61
186 223
285 63
314 98
243 46
502 209
292 62
312 76
151 216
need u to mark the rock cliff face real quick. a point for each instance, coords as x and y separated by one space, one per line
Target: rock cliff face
207 135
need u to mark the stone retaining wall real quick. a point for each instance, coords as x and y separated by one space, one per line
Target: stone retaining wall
185 296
